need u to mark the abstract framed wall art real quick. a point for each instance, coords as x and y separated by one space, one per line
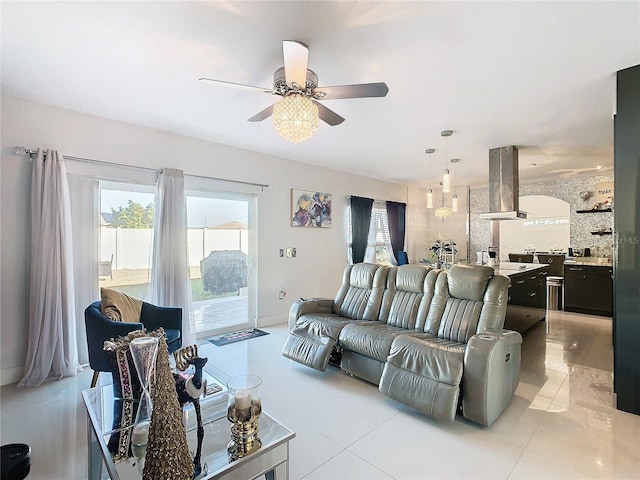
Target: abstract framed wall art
310 209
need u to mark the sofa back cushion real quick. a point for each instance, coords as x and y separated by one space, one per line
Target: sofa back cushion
360 294
463 303
402 302
469 282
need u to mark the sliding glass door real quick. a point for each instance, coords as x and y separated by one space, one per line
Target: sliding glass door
221 239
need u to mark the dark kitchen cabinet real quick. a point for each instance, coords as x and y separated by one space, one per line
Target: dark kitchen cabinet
527 300
588 289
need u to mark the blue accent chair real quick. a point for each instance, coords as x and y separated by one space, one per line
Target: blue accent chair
100 328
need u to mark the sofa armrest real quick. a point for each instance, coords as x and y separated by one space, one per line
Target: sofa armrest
309 305
491 374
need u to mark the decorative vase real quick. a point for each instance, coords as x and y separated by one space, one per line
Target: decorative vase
243 410
144 351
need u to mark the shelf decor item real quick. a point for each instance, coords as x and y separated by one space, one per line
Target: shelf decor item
243 410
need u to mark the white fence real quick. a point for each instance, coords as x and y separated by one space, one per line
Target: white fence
131 248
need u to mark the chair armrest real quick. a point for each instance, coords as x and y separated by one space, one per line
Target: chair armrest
491 374
99 329
309 305
154 317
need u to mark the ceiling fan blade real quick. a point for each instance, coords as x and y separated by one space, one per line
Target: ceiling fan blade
328 116
296 58
258 117
220 83
360 90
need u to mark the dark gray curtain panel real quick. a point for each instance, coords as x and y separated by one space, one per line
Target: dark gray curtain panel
360 220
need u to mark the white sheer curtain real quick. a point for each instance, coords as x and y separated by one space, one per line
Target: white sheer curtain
379 236
85 217
52 349
170 283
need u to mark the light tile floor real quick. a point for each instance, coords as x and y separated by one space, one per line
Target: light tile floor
560 424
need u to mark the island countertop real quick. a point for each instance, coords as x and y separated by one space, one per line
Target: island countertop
511 268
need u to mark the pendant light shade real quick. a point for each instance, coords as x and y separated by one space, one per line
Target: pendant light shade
446 181
454 203
429 202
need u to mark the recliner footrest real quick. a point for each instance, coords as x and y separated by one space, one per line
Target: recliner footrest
312 340
424 374
312 352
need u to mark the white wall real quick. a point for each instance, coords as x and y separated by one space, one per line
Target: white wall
321 253
424 228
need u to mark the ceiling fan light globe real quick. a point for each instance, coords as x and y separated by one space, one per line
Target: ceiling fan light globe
295 117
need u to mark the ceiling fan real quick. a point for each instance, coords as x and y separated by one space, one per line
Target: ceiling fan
298 111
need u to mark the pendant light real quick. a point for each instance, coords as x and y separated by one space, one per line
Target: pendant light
429 151
454 198
446 178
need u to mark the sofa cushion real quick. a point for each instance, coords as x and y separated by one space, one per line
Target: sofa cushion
320 325
431 357
468 282
404 303
425 373
456 318
460 320
360 294
372 339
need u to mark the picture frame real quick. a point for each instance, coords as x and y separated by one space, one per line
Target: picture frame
310 209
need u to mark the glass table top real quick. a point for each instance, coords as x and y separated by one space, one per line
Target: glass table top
103 408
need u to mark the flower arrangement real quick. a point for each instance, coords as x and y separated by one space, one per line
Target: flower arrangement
441 249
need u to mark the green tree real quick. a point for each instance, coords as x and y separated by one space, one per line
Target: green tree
133 216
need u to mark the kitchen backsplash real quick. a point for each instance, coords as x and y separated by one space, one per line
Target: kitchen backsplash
581 225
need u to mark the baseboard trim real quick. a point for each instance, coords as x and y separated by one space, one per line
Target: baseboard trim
271 320
11 375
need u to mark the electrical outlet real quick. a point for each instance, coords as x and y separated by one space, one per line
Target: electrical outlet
291 252
281 252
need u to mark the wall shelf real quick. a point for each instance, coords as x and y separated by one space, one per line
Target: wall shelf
595 211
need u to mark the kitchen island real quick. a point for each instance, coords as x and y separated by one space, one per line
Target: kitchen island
527 294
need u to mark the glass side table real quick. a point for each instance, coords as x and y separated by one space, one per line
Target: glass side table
271 461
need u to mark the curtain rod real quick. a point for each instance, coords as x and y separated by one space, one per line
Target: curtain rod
30 152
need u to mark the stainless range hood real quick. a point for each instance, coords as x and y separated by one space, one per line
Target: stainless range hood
503 185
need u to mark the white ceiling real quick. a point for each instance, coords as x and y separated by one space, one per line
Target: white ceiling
538 75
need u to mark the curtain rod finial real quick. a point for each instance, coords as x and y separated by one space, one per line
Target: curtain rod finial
19 150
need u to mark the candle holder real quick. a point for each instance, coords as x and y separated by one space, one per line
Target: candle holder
144 351
243 410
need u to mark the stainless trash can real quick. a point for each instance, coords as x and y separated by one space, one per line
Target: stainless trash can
555 293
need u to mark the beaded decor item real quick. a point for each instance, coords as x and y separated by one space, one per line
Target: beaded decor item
167 456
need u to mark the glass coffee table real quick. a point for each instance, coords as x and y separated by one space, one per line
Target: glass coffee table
271 461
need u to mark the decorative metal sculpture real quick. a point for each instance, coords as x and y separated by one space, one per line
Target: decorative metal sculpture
189 389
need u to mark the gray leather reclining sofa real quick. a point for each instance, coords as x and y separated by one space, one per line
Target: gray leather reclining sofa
430 339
